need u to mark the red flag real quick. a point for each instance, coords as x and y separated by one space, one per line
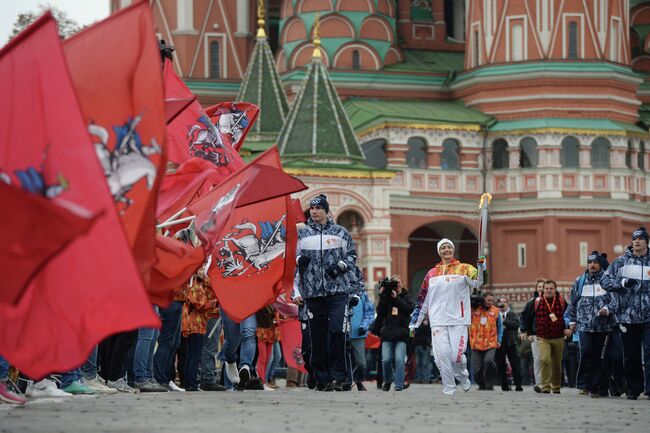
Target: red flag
91 289
253 245
177 261
233 120
191 134
115 68
300 214
194 177
261 180
175 106
33 230
291 342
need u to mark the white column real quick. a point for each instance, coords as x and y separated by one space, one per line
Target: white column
184 15
459 20
242 18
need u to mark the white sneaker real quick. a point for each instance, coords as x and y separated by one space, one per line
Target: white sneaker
175 387
98 385
232 372
467 385
121 386
268 388
46 388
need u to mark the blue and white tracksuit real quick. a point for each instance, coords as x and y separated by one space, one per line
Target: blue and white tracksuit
632 311
326 288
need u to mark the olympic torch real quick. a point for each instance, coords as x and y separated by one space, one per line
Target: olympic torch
483 206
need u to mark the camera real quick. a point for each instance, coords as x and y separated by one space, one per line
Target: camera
388 285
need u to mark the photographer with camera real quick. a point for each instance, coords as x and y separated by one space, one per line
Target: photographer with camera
324 254
392 325
485 334
445 299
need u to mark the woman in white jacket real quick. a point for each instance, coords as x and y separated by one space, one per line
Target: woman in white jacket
445 300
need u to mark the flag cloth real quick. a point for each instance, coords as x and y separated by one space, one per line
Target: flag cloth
115 68
252 243
291 342
192 178
191 134
300 214
177 261
33 230
233 121
91 289
175 106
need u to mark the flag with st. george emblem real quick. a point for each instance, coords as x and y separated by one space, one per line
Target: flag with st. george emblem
253 243
233 120
116 71
192 134
92 288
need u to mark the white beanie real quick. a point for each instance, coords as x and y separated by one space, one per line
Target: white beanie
443 242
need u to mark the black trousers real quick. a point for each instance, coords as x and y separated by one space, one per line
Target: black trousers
484 367
326 334
635 339
515 364
593 372
114 352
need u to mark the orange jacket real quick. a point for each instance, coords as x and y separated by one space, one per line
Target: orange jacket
484 331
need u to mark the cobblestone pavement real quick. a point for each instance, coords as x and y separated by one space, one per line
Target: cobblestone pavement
420 408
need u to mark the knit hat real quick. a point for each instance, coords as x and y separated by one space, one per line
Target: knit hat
443 242
600 258
321 201
641 232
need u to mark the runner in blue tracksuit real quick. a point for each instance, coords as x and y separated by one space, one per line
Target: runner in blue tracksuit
325 253
629 278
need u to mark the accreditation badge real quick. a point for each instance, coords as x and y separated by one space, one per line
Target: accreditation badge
553 317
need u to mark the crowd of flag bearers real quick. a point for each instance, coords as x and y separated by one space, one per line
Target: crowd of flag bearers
135 231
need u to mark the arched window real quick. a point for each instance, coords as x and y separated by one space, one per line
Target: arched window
528 153
375 151
628 154
640 158
499 154
573 40
356 62
214 60
600 153
569 155
450 159
416 156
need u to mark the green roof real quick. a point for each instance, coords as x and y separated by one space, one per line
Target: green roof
262 86
560 123
644 115
642 30
429 61
583 67
317 126
366 113
637 2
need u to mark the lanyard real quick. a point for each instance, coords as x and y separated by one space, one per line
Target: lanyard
552 306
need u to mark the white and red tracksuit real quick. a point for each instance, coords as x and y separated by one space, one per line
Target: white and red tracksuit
445 300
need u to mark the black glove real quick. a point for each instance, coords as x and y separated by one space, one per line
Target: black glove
303 262
336 269
628 283
362 330
353 301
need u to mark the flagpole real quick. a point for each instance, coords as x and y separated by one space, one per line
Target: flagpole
175 222
176 215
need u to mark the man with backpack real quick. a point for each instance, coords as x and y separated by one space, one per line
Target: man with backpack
588 314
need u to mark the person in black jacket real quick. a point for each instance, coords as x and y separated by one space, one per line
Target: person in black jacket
527 328
508 346
393 317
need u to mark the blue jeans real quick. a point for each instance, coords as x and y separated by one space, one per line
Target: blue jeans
393 351
168 342
210 351
143 355
243 333
89 369
273 362
70 376
423 363
4 368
